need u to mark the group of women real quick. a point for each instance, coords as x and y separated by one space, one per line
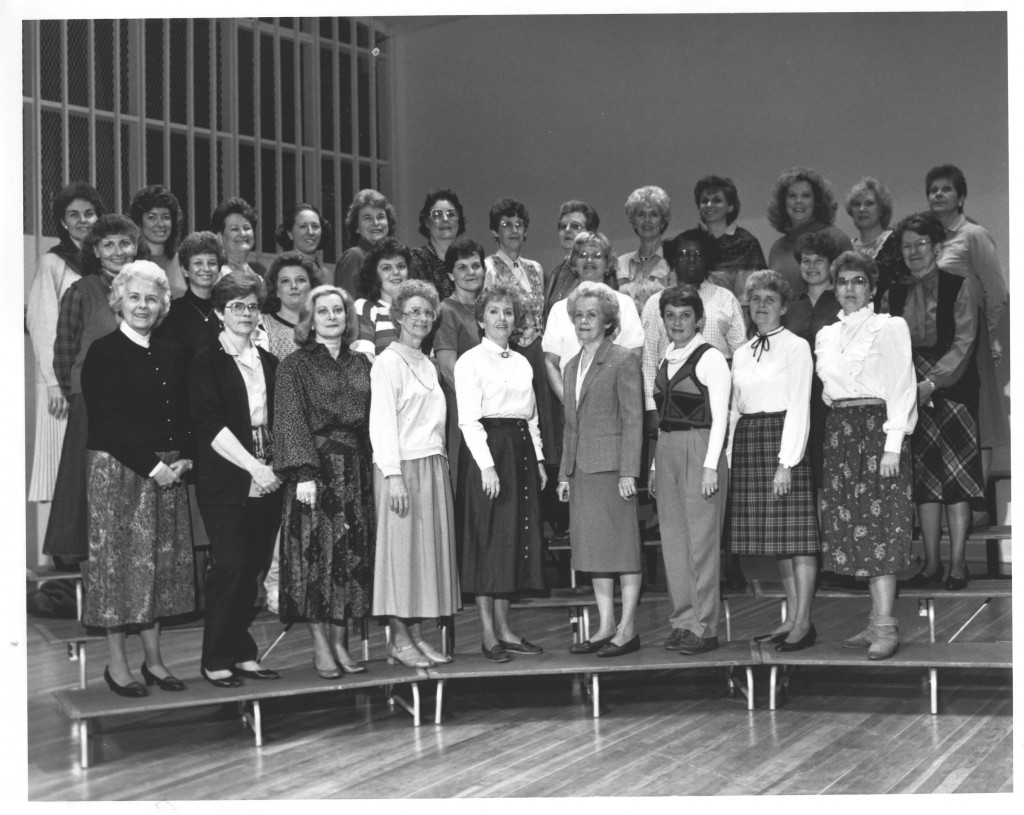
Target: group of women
393 422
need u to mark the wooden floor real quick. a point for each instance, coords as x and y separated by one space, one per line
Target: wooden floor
863 730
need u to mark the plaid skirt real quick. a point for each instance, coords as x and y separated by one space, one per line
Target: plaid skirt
866 520
947 459
759 523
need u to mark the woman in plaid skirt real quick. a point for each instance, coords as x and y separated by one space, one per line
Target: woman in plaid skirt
770 479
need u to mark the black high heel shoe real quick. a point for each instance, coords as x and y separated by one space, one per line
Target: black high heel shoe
227 682
954 583
169 682
773 639
806 641
923 581
133 690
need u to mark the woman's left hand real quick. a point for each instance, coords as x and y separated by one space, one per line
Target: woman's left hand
627 487
997 350
543 476
782 481
890 465
709 482
925 392
181 466
305 492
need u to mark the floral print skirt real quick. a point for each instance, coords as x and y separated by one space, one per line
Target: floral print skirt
867 521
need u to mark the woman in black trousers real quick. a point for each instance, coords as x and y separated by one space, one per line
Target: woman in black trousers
231 396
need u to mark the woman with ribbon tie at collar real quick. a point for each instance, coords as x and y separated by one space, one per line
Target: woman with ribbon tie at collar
864 363
501 473
770 480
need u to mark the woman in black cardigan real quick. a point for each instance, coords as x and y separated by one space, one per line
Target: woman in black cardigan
231 397
138 448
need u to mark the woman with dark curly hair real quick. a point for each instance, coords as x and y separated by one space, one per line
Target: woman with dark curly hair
801 201
192 322
718 205
385 268
370 219
157 213
235 222
304 230
869 204
442 220
322 453
75 209
289 280
85 316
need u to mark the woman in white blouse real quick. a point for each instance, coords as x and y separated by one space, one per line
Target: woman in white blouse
501 473
691 391
866 366
770 481
415 570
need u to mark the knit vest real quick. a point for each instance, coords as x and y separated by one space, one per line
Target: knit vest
966 389
682 402
98 320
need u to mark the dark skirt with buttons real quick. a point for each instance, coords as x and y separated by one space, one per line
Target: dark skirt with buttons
499 540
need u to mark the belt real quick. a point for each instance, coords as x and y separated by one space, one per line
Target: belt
849 403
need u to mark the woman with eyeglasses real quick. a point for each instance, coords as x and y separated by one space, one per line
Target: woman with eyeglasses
442 220
231 398
864 362
574 217
415 573
941 310
501 473
370 219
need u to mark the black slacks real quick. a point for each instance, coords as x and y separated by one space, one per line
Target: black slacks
241 538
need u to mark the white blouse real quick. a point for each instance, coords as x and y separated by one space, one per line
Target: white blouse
560 333
407 408
495 383
772 380
868 355
713 372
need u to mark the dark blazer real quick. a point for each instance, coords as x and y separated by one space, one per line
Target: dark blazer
217 398
136 401
605 431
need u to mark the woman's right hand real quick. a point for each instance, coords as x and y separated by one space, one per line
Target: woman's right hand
57 404
165 477
265 478
489 479
562 491
925 392
305 492
398 496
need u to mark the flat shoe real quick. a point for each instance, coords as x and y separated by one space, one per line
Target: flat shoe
589 646
496 654
923 581
524 646
227 682
806 641
628 647
260 673
701 646
954 583
774 639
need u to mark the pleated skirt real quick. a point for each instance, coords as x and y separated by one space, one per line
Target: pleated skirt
947 457
67 532
415 571
49 438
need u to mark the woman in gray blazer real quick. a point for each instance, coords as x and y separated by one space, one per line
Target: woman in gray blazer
603 409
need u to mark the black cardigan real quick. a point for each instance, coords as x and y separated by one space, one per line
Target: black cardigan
217 398
135 400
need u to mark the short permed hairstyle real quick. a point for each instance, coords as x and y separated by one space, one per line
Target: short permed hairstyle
200 243
428 204
882 196
592 236
305 334
292 258
923 223
369 280
140 270
816 243
72 192
653 197
853 260
408 290
678 296
500 292
950 172
110 224
155 196
772 281
233 206
590 217
716 183
701 237
507 208
462 247
605 295
367 198
235 285
824 199
283 233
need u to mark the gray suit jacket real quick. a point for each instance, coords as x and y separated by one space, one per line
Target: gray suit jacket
604 432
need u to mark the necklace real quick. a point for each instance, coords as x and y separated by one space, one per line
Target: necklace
205 316
469 308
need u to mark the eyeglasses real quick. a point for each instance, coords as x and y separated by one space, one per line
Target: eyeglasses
597 255
853 282
420 313
690 253
573 226
516 226
238 309
918 244
443 215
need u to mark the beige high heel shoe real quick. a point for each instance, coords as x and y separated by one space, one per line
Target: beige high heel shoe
434 656
409 655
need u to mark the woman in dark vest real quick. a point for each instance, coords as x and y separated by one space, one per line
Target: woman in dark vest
941 311
688 469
